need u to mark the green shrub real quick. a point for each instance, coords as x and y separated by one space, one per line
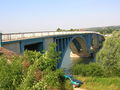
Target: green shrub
109 56
92 69
52 80
31 56
10 74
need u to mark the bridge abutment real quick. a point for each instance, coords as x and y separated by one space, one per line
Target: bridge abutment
15 47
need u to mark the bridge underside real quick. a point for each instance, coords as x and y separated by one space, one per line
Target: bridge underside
78 47
34 47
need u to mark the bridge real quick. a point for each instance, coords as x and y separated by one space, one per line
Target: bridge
80 42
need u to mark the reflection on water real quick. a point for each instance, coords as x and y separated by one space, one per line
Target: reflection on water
81 60
68 61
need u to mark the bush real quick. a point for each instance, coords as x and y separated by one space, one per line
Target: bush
10 74
109 56
52 80
92 69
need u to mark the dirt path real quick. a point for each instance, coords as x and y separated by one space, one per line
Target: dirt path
79 89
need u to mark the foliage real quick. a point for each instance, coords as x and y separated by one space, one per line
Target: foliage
10 74
31 71
107 31
60 30
53 79
92 69
109 55
104 30
31 56
67 85
50 58
100 83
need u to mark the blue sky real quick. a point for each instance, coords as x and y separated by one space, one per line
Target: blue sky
48 15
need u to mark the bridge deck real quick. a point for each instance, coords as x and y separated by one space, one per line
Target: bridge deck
27 35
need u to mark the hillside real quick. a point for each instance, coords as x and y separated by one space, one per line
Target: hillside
103 28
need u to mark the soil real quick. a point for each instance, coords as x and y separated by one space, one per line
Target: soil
7 53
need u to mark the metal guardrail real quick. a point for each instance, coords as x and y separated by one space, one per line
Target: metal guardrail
26 35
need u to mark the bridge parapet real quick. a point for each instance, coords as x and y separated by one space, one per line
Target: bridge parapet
26 35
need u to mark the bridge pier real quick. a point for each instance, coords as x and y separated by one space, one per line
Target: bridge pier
46 42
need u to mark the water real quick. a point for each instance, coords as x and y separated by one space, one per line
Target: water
68 61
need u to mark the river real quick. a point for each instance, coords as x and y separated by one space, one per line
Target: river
68 61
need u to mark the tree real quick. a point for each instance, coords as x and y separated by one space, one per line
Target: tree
59 29
109 55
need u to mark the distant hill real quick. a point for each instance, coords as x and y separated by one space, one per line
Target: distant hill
103 28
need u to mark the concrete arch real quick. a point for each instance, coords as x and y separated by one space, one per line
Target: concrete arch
79 50
78 46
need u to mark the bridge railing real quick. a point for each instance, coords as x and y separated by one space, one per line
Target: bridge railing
26 35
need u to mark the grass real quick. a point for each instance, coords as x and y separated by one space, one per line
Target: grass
98 83
68 85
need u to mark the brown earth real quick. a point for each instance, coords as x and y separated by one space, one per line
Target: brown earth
7 53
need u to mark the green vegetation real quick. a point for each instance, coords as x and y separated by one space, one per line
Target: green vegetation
32 71
60 30
109 56
100 83
92 69
104 30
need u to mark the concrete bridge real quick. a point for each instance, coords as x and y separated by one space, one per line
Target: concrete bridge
80 42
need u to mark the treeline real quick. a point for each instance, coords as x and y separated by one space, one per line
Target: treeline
60 30
104 30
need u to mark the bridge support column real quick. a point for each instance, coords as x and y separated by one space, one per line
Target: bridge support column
95 42
88 40
47 41
62 44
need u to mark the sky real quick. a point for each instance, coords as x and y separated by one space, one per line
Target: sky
48 15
